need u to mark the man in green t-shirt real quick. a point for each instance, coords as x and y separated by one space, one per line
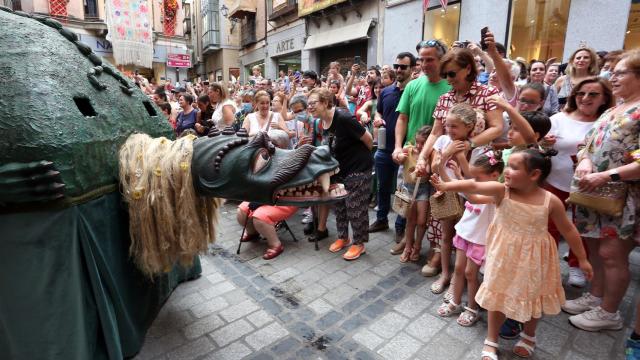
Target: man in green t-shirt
421 95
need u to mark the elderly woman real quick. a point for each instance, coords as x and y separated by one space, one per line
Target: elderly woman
458 67
587 101
583 63
351 145
551 75
537 73
224 108
261 220
612 154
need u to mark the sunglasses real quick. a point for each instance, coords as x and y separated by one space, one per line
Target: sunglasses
587 94
448 74
434 44
400 66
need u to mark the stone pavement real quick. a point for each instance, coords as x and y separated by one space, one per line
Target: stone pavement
309 304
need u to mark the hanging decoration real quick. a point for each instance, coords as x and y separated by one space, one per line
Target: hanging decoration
58 7
170 15
130 34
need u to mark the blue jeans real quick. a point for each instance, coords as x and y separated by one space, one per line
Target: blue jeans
386 172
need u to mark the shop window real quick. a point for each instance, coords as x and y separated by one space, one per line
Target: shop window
538 29
632 38
442 24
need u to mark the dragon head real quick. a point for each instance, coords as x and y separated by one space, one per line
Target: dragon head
232 166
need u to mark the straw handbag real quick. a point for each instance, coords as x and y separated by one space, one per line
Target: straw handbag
445 206
608 199
402 202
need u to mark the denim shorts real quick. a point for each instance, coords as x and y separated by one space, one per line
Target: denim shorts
424 191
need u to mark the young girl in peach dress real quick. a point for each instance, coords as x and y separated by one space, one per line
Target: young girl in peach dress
522 270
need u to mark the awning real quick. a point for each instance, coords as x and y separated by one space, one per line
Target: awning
339 35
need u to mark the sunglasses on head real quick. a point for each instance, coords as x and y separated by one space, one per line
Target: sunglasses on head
400 66
434 44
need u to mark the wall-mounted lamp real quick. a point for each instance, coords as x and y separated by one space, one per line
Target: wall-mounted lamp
224 10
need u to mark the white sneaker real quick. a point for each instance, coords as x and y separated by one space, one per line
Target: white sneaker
584 303
576 278
597 319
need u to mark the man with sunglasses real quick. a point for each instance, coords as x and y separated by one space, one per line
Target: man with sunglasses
386 115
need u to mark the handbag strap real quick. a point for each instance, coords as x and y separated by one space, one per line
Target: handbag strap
415 189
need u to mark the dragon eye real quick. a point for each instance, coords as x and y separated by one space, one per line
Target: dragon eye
261 160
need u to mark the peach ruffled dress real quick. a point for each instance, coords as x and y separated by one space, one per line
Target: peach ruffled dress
522 271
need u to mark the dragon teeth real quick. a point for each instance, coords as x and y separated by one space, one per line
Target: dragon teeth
324 181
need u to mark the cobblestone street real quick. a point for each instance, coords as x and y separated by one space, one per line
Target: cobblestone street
313 304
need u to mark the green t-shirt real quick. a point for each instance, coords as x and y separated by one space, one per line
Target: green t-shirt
418 101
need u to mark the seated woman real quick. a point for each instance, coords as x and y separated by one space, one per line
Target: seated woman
261 219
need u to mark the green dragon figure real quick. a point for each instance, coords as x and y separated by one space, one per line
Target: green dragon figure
69 289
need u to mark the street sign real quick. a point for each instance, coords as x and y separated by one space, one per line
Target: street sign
179 60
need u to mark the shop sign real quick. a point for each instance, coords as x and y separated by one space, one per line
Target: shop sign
285 46
179 60
306 7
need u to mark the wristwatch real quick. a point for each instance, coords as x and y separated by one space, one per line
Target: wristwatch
614 175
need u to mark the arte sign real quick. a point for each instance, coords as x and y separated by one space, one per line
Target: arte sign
285 46
306 7
179 60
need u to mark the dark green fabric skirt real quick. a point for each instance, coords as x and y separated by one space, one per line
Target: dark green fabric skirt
68 289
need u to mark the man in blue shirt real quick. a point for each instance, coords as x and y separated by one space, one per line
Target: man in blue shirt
386 168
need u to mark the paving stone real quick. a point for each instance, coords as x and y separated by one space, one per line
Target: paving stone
363 355
304 314
357 268
254 293
425 291
203 326
352 305
271 306
388 282
353 323
442 347
235 296
231 332
335 279
411 306
415 281
329 319
217 290
259 318
234 351
395 294
400 347
334 336
156 347
240 281
550 339
469 335
239 310
187 301
285 345
365 281
283 275
593 344
375 309
303 330
389 325
368 339
209 307
310 293
285 317
266 336
261 356
386 267
335 353
340 295
425 327
193 349
260 281
371 294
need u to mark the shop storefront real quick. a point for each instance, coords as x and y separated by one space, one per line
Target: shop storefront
250 59
285 50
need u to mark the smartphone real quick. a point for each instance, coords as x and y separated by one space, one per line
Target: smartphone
357 59
483 35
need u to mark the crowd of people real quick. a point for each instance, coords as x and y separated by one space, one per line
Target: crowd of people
505 141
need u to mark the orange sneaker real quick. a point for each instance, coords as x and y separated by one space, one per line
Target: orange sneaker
354 252
339 245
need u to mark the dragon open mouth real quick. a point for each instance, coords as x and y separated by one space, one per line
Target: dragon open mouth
320 189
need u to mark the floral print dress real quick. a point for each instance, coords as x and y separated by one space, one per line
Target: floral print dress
616 144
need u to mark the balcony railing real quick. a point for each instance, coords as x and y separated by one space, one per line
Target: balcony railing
287 8
210 41
241 8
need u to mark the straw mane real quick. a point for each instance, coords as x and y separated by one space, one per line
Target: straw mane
168 222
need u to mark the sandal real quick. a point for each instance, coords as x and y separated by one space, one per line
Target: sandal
406 254
523 345
273 252
488 354
448 295
415 254
438 286
249 237
468 318
445 309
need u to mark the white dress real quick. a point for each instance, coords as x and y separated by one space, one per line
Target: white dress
217 113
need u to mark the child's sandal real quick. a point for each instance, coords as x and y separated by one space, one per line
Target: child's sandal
523 345
448 295
445 309
406 254
488 354
468 318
